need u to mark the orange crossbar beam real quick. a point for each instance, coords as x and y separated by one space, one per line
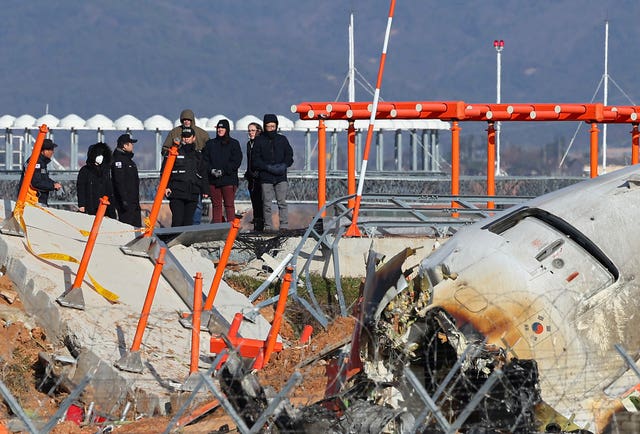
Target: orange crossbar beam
403 113
454 110
364 114
458 110
544 115
339 107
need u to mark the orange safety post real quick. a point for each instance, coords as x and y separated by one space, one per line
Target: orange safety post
195 329
31 168
594 150
88 248
235 325
258 363
635 141
305 336
351 162
491 163
164 181
455 164
146 308
277 319
322 164
353 230
224 258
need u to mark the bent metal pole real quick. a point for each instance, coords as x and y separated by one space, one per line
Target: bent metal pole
277 317
148 301
88 248
14 225
224 258
164 181
353 230
31 168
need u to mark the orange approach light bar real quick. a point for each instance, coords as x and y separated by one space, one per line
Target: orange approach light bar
461 111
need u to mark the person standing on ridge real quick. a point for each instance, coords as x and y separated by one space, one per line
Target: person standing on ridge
187 120
272 155
253 179
94 181
41 182
126 183
223 157
187 182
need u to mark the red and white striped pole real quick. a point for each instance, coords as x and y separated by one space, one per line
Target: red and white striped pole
353 230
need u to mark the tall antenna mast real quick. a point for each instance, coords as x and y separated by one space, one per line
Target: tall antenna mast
352 68
606 93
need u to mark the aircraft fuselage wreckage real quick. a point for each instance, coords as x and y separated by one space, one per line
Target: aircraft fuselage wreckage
544 294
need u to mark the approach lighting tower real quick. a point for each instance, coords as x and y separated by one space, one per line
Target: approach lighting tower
499 46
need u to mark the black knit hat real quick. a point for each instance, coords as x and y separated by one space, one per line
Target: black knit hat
187 132
223 123
269 118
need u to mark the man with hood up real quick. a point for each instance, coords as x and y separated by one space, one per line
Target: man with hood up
272 155
223 157
187 120
94 181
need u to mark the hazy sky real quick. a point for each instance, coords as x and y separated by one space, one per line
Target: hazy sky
249 57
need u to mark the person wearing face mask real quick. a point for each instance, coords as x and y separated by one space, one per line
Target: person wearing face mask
94 180
272 155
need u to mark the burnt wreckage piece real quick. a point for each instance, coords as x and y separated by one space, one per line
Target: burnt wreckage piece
250 400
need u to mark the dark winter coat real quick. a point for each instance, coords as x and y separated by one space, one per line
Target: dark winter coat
250 175
41 182
223 153
188 178
271 156
94 181
126 183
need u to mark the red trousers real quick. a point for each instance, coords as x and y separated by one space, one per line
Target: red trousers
226 194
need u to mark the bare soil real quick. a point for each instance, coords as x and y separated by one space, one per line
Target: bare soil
21 341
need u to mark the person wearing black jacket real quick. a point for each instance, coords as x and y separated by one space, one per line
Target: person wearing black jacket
187 182
223 157
41 182
272 156
253 179
94 181
126 183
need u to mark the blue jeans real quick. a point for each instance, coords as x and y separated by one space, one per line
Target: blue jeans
197 215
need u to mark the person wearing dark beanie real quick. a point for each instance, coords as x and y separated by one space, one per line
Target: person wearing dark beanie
272 156
223 157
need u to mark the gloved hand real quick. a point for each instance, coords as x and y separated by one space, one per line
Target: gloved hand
216 173
277 168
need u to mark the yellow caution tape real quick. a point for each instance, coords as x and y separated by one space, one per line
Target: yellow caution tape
108 295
